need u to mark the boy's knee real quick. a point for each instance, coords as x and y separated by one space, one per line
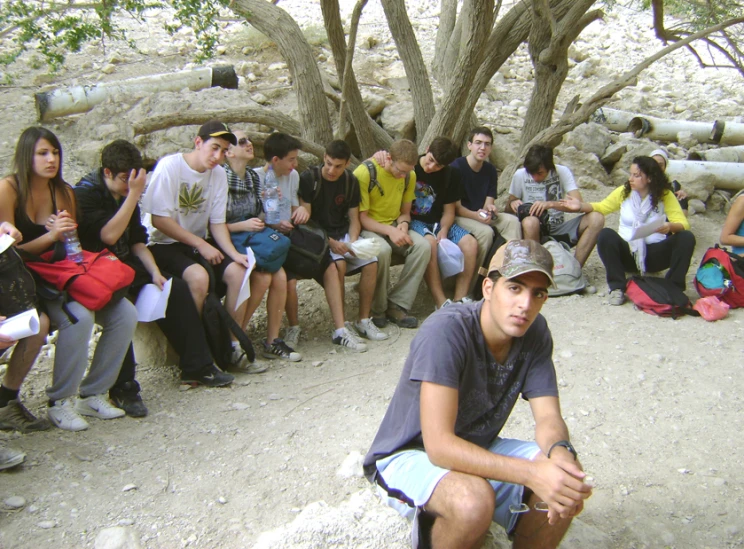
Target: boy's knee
531 223
468 244
595 220
474 505
197 279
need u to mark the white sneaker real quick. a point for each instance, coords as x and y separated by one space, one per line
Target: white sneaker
98 406
446 303
64 416
366 328
466 300
350 341
292 336
238 360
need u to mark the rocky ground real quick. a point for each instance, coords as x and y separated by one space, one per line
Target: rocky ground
273 462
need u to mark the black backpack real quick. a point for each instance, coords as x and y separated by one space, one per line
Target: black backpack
218 324
308 255
17 286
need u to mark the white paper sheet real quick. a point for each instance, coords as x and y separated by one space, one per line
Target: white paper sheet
152 301
245 288
6 241
642 231
21 325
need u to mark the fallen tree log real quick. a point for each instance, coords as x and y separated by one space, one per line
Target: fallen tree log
256 115
79 99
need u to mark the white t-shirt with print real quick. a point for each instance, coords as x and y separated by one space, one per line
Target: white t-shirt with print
192 199
289 184
554 188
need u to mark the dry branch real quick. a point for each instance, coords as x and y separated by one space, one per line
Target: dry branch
267 117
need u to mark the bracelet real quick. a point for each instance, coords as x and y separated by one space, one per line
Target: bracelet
565 444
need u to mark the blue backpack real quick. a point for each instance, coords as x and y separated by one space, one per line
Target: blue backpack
269 246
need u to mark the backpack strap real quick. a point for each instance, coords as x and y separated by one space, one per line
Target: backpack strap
373 177
317 178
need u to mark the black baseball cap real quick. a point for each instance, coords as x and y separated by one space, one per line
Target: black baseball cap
215 128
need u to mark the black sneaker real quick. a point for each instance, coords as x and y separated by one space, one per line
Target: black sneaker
211 376
279 349
126 396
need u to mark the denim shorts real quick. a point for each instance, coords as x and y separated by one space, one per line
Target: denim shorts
455 234
412 478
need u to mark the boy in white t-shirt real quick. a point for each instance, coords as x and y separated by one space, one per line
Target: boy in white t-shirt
186 196
542 185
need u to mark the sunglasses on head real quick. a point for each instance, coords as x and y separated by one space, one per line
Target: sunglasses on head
243 141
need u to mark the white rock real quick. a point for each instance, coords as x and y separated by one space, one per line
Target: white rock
222 500
351 466
14 502
46 524
240 406
277 66
117 537
108 69
220 50
129 488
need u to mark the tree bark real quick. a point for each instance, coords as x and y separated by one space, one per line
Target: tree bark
507 35
476 25
548 45
257 115
571 120
413 61
447 18
283 29
370 135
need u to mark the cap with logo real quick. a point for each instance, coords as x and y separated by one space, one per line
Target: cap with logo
215 128
518 257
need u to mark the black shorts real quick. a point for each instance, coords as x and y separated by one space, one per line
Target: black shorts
177 257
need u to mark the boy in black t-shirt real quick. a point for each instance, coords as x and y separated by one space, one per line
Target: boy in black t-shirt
438 190
331 194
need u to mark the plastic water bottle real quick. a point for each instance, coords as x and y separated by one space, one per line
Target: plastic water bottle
271 199
72 247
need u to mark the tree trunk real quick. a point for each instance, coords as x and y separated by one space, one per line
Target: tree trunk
549 42
447 18
370 135
277 24
413 61
507 35
477 23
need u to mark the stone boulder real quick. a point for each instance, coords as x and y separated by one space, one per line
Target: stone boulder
397 120
590 137
118 537
583 164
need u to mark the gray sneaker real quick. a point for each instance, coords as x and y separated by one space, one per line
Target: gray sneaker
366 328
350 341
16 417
617 297
10 457
292 336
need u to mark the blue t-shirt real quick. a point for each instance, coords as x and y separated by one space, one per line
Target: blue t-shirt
449 349
476 186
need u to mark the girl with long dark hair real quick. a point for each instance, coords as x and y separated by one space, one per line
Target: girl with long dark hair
37 200
646 198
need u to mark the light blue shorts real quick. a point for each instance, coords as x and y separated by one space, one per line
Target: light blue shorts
455 234
412 478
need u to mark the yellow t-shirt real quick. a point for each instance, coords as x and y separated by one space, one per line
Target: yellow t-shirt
384 208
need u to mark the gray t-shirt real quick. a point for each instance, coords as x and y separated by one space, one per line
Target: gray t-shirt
557 184
449 349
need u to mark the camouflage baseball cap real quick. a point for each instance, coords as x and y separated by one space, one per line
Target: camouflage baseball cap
518 257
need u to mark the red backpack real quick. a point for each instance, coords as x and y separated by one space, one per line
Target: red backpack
731 275
658 296
100 278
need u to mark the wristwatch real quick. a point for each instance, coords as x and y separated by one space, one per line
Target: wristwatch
567 445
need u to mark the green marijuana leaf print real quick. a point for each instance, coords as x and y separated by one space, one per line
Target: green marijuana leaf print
190 200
